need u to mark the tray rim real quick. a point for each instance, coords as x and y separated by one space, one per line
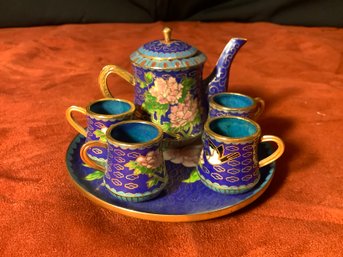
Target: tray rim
164 217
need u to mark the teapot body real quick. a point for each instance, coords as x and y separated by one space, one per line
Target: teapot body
169 89
172 99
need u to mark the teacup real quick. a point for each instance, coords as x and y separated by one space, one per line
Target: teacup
229 160
100 114
135 168
235 104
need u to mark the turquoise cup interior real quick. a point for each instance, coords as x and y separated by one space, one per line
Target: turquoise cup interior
110 107
134 132
233 100
233 127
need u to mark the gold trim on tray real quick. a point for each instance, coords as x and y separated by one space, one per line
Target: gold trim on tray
171 217
168 217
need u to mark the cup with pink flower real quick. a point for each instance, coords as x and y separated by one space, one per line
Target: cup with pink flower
135 168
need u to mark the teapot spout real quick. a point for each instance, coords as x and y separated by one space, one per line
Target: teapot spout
217 81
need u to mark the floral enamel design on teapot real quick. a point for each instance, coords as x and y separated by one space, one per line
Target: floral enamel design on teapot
169 88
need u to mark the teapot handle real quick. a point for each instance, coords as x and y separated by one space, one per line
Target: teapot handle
106 71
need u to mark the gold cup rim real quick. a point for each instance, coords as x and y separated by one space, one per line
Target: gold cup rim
110 116
210 132
218 106
136 145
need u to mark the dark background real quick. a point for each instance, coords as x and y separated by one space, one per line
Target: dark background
17 13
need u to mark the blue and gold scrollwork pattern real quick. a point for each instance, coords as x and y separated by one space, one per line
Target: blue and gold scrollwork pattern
218 83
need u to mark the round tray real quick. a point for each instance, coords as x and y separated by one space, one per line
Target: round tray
184 199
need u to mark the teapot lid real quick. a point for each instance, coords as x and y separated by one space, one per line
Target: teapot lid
167 54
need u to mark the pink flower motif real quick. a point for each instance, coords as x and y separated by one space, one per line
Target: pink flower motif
183 113
152 160
166 91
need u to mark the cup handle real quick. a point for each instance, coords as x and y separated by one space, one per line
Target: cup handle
276 154
106 71
85 158
260 107
71 120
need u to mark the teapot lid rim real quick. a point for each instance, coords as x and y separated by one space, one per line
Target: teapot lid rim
175 54
174 49
166 63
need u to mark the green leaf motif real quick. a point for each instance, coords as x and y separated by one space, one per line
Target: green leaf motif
86 165
193 177
197 119
94 176
131 165
151 105
151 182
145 170
166 126
103 139
101 135
183 130
149 77
98 133
137 172
139 169
187 83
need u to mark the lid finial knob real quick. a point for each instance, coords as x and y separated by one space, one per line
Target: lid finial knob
167 34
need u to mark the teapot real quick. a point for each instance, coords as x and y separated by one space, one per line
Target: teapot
169 86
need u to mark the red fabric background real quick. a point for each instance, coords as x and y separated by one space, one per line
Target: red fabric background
299 73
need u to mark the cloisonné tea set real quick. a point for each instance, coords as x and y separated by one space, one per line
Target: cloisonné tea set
125 144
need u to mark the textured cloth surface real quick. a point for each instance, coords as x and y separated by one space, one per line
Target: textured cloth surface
297 71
